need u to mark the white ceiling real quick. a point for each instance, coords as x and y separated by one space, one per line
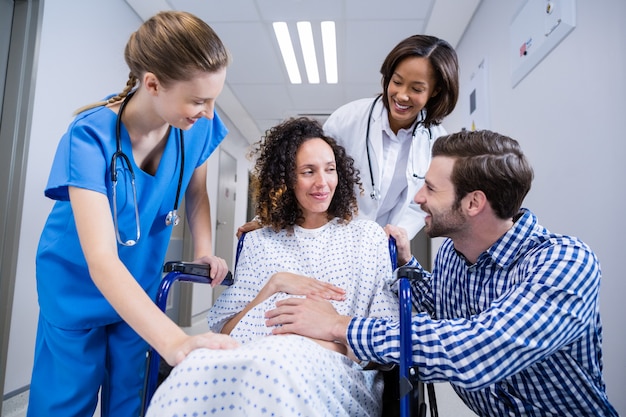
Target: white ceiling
258 93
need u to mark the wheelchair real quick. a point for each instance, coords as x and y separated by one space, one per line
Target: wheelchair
403 393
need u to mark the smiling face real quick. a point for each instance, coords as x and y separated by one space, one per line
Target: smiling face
316 181
411 86
182 103
438 199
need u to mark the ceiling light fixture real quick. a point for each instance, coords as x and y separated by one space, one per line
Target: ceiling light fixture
286 49
329 41
308 51
307 44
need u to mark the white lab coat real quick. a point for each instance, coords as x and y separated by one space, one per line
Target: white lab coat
348 125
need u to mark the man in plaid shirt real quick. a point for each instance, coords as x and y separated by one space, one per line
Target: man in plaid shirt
510 313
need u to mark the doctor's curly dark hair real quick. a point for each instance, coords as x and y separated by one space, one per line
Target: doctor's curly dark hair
274 175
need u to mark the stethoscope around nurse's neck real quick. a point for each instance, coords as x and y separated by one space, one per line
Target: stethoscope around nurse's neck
375 194
172 217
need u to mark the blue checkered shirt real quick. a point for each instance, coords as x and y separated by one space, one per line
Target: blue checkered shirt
518 333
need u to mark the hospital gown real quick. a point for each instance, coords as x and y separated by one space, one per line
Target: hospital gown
288 375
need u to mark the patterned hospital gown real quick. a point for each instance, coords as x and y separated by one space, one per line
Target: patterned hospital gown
288 375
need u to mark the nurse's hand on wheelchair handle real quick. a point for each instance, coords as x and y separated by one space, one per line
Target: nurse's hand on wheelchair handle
218 268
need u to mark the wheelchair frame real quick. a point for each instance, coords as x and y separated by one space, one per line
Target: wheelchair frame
409 386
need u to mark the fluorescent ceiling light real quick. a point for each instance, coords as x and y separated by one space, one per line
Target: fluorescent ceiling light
308 51
286 49
307 44
330 51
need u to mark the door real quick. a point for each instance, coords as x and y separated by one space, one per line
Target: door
225 221
224 230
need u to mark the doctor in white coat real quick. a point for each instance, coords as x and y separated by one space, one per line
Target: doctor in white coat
390 136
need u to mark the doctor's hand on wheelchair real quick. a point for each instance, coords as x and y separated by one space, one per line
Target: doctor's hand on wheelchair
403 244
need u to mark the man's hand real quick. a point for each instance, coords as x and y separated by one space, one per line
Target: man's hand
403 244
292 284
312 317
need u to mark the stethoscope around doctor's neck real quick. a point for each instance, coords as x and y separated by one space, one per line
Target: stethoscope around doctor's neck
172 217
375 194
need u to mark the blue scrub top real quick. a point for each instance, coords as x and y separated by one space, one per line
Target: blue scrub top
68 298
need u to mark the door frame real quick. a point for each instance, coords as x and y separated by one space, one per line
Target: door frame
21 22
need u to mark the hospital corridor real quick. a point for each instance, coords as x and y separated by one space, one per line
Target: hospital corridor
335 136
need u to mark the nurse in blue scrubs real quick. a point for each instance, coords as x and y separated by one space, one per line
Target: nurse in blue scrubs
101 251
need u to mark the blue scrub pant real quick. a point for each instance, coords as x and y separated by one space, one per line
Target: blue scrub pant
71 366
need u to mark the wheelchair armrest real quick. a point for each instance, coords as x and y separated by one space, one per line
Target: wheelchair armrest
409 272
186 272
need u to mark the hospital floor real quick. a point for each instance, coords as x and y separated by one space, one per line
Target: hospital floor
16 406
